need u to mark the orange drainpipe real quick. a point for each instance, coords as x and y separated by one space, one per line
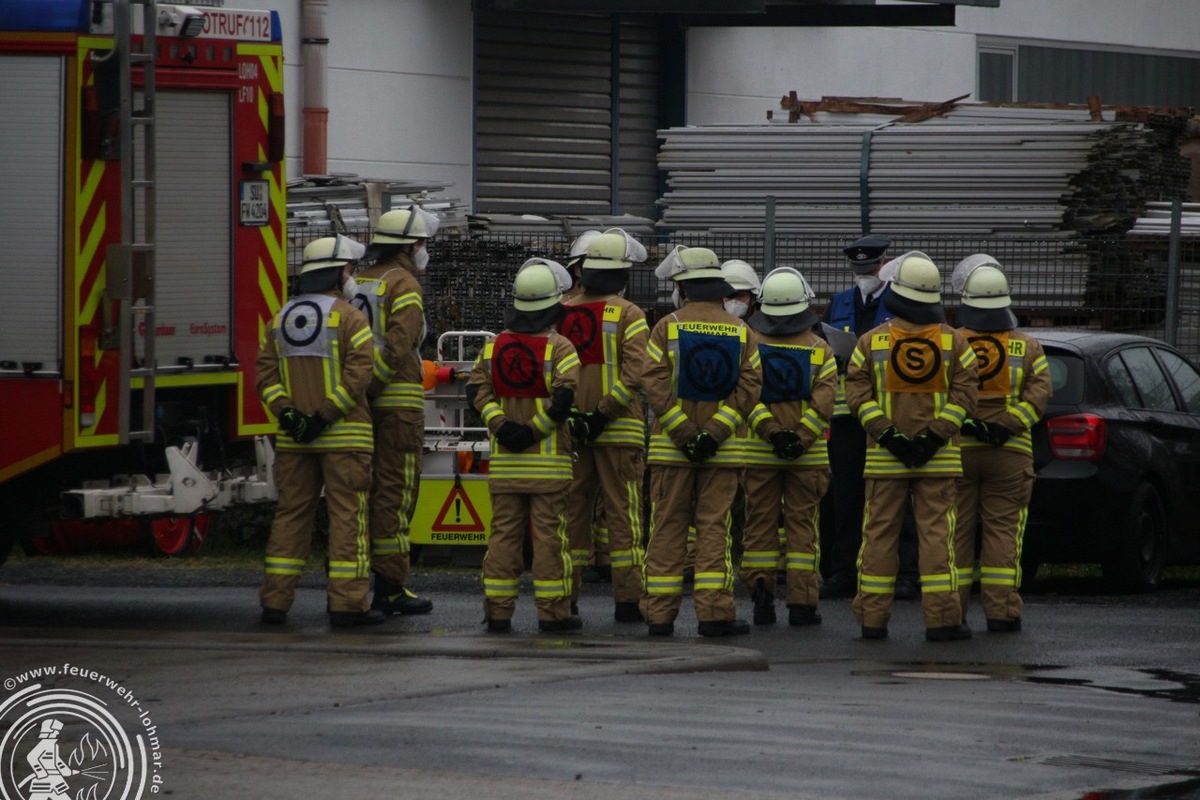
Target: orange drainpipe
314 46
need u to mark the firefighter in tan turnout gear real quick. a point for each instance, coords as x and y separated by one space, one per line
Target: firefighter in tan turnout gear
997 448
702 380
389 293
607 423
912 383
313 369
523 385
787 459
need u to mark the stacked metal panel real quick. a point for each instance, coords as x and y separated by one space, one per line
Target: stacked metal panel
1157 220
960 179
977 172
319 202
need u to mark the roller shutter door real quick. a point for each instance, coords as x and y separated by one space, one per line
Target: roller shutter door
194 239
31 129
545 106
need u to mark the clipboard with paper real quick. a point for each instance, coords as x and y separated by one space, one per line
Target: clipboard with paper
841 342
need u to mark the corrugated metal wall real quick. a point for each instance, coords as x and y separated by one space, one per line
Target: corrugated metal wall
544 114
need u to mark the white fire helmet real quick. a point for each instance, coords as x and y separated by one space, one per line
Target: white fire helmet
405 226
741 276
917 278
686 263
785 292
560 272
612 249
964 268
535 288
986 287
330 251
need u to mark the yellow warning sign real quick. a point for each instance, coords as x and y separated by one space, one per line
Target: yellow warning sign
452 511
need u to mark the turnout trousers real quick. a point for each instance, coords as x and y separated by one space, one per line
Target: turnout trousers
683 496
515 516
878 558
612 476
298 478
993 504
792 496
847 493
395 482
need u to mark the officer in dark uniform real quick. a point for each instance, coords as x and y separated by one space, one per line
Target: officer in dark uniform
857 310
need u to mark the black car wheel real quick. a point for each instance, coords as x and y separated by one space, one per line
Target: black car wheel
1136 563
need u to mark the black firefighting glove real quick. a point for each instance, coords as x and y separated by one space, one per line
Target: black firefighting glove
898 445
969 427
924 446
472 391
700 448
577 423
313 425
290 420
786 445
560 403
991 433
514 436
596 422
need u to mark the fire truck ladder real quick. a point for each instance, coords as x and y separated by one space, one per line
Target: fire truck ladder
130 286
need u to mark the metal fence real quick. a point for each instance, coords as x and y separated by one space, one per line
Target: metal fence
1119 283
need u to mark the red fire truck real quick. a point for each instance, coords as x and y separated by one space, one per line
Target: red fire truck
142 216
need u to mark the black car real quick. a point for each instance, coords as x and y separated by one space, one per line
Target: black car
1117 458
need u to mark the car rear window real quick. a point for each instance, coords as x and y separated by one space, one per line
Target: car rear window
1066 376
1186 378
1148 378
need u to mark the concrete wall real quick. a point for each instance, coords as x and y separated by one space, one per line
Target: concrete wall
736 74
399 88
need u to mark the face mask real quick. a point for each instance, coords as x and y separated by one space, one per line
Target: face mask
737 307
421 260
349 290
868 284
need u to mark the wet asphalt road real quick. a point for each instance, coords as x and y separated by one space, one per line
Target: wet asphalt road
1098 693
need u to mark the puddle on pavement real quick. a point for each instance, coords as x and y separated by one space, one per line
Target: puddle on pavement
1179 687
1163 684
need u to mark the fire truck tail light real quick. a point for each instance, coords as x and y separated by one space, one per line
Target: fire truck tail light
275 128
89 381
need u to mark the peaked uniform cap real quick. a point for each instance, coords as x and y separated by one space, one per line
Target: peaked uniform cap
865 254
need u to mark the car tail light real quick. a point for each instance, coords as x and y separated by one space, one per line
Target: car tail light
1078 437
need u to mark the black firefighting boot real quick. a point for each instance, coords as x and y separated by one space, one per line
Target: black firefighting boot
627 612
723 627
393 598
764 604
799 614
947 633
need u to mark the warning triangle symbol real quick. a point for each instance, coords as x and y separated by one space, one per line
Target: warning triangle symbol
458 514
